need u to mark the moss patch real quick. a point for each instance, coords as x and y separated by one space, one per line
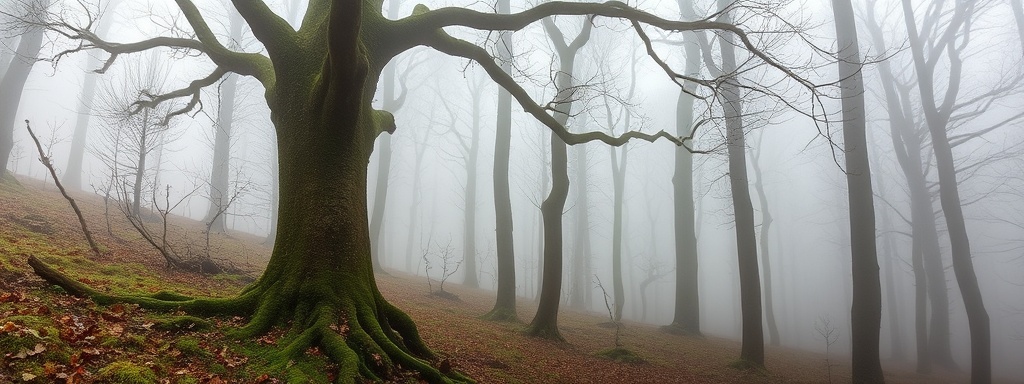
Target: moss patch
189 346
125 372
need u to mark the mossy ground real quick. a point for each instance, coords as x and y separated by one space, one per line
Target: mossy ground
80 334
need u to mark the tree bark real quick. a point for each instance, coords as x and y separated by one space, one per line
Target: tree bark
545 322
866 311
505 302
752 348
687 301
937 118
619 188
469 211
579 285
11 87
221 173
766 225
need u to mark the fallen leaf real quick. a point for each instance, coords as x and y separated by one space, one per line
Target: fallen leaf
27 376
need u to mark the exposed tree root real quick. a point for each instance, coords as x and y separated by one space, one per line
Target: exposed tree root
678 329
501 315
545 332
368 339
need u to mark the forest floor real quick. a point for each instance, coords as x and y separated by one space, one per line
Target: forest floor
48 336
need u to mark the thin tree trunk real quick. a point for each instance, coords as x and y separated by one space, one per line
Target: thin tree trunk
505 302
752 348
687 300
580 283
391 104
11 87
1018 16
937 116
545 323
140 165
220 174
619 187
766 225
469 211
866 312
417 177
73 171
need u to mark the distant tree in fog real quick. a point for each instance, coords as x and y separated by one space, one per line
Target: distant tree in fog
24 17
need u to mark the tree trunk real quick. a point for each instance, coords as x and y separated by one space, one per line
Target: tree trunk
866 312
6 54
937 116
579 285
619 187
766 225
391 104
140 164
220 174
73 171
11 87
417 177
469 211
1018 16
687 300
752 349
545 322
505 303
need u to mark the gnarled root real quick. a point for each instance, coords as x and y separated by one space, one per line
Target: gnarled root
366 336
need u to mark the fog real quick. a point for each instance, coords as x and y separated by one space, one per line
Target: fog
801 162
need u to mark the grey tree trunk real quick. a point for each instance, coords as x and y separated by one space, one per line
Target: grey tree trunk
619 187
73 171
545 323
752 348
220 174
687 301
505 302
866 311
469 211
937 117
908 147
7 48
140 164
579 285
1018 16
389 103
766 225
11 87
417 180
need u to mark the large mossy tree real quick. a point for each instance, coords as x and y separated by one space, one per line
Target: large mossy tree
320 81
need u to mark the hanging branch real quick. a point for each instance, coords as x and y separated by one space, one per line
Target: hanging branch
46 162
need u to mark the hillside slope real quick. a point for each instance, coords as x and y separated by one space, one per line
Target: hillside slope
48 336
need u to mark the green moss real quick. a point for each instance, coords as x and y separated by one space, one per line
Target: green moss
187 380
621 355
114 270
189 346
180 323
268 359
218 369
124 372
